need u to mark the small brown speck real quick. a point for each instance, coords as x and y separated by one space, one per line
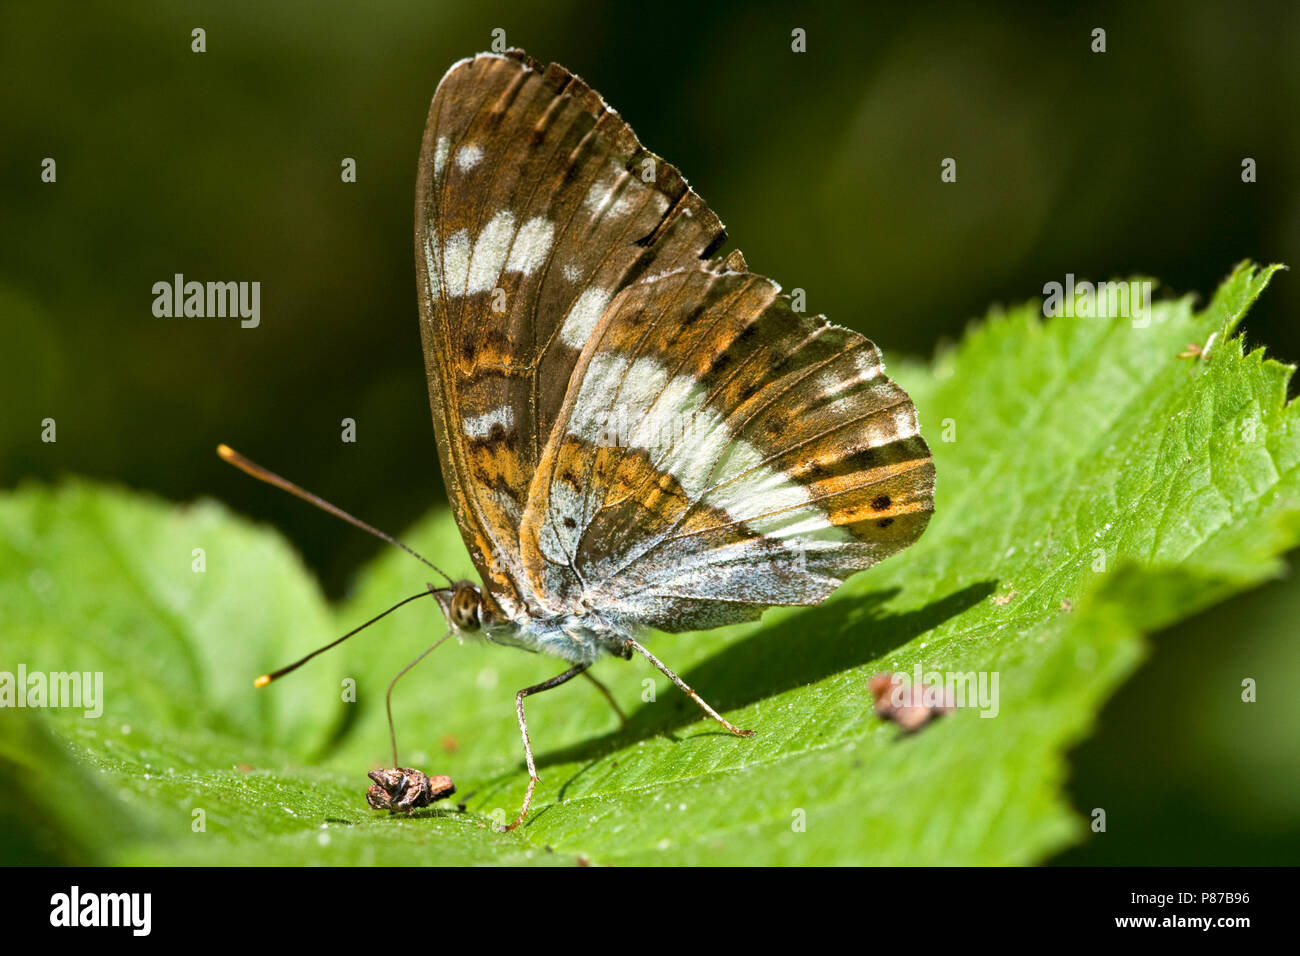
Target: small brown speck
1002 600
909 706
1067 605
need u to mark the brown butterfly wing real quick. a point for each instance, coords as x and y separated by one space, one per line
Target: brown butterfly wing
535 206
719 453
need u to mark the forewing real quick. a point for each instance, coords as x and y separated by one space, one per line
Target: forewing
535 206
718 453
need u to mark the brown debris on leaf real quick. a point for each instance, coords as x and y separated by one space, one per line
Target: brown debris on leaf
403 790
910 706
1195 350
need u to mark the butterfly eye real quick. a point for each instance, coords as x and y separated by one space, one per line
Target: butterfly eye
465 608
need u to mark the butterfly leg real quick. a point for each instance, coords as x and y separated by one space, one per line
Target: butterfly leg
567 676
622 717
388 697
663 668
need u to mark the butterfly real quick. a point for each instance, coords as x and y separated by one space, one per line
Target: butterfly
635 432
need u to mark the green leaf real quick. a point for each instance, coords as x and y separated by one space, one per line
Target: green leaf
1093 486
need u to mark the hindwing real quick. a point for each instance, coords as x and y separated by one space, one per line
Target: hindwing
718 453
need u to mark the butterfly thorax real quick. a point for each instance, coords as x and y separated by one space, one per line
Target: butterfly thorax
580 638
580 635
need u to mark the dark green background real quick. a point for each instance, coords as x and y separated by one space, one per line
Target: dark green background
825 166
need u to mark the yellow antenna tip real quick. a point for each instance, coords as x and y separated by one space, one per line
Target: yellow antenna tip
262 681
225 451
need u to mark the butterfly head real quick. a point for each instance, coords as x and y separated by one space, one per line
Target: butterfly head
462 606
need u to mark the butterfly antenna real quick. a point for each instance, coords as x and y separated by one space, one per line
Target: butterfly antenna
276 675
233 457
